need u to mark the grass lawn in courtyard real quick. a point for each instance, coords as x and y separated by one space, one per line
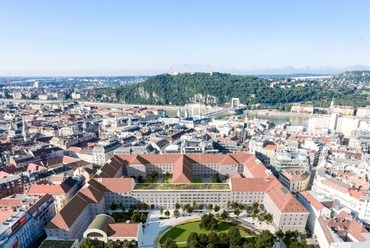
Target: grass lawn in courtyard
166 180
56 244
197 180
150 181
180 186
180 233
214 180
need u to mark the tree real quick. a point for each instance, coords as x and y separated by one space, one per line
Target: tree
136 216
234 236
167 175
189 210
140 179
154 176
161 211
248 245
208 222
169 243
249 210
193 236
213 238
234 205
201 206
224 215
186 207
112 244
223 240
297 244
279 234
167 213
122 207
143 217
193 244
210 207
216 208
268 217
256 209
177 206
211 246
145 206
114 206
176 212
92 243
203 239
265 239
237 211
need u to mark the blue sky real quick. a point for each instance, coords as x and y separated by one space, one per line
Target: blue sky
149 37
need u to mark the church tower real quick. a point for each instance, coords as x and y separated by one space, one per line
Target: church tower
25 132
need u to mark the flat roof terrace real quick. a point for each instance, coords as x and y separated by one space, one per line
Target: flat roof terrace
182 186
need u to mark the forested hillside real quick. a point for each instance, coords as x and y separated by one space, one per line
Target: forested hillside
181 89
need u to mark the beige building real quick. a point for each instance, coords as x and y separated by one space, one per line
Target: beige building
343 110
295 180
249 182
303 108
62 192
104 228
363 111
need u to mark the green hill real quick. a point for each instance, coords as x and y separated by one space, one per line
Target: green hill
204 88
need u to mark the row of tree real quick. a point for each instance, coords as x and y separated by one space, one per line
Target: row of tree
233 239
94 243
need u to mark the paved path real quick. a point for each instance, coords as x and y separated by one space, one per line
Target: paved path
154 226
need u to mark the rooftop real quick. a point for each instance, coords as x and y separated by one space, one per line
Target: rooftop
180 186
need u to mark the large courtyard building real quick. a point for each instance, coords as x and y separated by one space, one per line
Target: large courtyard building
249 181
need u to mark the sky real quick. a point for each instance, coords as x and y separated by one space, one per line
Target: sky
111 38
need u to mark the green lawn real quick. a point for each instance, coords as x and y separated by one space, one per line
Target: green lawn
166 180
180 233
214 180
180 186
197 180
150 181
56 244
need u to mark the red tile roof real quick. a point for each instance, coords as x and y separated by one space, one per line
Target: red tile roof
6 215
283 199
10 202
124 230
123 184
182 170
312 200
249 184
39 202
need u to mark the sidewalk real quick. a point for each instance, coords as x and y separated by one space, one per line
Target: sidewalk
154 225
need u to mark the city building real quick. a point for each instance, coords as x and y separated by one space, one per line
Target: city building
249 181
62 192
290 158
24 227
104 228
295 180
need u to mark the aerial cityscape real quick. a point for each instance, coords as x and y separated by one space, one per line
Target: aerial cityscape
185 124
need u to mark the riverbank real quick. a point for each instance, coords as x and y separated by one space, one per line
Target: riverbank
279 113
